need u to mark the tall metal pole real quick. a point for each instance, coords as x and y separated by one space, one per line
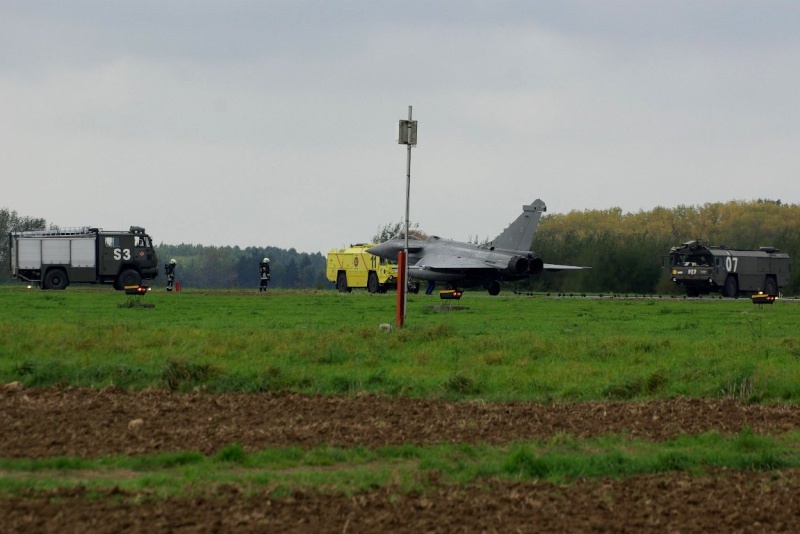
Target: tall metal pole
401 294
408 195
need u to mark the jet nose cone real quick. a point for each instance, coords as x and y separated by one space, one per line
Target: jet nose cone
387 249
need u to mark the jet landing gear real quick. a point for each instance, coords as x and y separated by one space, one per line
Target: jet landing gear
493 287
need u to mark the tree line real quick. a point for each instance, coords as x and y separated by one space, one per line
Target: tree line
201 266
624 250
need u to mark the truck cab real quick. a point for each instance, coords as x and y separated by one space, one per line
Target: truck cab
126 258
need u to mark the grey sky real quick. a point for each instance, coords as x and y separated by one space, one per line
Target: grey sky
259 123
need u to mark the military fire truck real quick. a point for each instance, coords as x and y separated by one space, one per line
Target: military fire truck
55 258
355 267
701 269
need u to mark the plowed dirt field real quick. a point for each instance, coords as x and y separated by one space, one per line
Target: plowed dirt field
42 423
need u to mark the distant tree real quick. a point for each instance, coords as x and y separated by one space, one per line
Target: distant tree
475 240
289 275
218 268
398 229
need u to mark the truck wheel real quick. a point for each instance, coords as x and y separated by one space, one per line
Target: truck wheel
341 283
372 283
55 279
731 289
770 286
129 277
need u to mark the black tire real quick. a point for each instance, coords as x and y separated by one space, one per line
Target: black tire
55 279
494 288
341 283
770 286
129 277
372 283
731 288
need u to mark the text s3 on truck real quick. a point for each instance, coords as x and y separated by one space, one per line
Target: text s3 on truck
59 257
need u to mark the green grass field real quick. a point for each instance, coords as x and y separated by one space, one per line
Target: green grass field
502 348
499 348
407 468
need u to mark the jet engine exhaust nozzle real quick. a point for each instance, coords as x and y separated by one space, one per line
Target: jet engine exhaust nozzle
517 265
535 265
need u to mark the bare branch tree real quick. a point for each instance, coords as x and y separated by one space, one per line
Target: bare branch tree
392 230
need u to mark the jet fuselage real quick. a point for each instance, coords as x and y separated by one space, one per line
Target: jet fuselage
459 263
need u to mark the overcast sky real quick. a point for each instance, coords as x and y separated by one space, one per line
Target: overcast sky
273 123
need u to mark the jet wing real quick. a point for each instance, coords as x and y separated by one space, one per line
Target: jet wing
552 267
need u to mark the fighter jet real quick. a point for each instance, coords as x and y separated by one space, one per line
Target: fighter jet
506 258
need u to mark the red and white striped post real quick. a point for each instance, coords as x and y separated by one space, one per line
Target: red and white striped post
401 288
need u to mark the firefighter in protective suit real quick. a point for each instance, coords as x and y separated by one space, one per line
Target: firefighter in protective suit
169 270
263 272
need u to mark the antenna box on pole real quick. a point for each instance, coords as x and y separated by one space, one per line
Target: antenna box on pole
406 132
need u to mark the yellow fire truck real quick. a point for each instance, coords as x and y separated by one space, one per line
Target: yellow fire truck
355 267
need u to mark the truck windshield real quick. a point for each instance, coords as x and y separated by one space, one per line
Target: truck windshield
696 260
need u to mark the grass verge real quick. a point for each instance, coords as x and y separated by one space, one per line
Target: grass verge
562 459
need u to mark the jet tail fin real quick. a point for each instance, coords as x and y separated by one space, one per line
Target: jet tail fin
519 234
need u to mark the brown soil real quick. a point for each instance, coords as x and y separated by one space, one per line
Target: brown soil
41 423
